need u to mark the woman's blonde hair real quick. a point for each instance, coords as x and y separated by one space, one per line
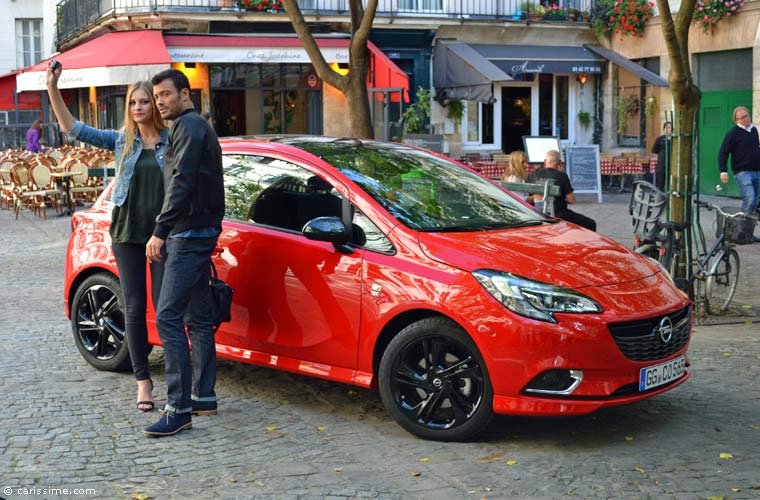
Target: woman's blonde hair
516 167
130 126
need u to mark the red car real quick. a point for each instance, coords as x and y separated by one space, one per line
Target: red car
387 266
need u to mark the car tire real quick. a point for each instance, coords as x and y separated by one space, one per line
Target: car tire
97 322
434 382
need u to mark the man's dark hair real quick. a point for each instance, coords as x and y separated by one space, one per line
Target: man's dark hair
177 77
665 125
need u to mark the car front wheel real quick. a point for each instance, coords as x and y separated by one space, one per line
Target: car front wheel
434 382
97 321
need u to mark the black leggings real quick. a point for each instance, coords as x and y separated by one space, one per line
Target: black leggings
130 259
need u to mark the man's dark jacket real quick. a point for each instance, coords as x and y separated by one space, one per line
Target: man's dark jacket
744 148
193 179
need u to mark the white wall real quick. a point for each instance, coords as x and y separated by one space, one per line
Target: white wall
10 10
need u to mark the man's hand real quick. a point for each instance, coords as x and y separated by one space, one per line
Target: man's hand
724 177
153 249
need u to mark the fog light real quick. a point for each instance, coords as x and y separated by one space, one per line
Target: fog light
559 382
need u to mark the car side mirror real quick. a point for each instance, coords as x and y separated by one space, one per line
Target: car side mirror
329 229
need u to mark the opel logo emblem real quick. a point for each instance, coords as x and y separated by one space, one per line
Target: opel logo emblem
666 330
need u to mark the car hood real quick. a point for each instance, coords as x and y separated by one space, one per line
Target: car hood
558 253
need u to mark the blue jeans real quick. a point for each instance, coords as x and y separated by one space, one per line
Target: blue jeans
186 299
749 183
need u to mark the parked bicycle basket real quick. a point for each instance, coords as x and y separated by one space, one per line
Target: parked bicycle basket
738 226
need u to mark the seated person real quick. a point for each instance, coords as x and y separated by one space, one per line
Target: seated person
566 196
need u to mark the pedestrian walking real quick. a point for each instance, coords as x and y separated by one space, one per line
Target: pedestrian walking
742 144
137 194
662 147
566 196
187 229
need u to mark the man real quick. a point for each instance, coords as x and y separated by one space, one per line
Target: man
566 197
662 147
742 144
186 232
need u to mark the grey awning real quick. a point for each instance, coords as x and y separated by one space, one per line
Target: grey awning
629 65
518 59
460 72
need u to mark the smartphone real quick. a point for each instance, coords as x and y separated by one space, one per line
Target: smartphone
54 65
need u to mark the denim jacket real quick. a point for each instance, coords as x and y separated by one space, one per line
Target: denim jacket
115 141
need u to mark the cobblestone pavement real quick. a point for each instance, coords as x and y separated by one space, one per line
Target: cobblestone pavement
64 425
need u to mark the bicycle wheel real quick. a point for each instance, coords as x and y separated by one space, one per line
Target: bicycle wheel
721 281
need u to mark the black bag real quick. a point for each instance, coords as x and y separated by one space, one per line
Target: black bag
222 293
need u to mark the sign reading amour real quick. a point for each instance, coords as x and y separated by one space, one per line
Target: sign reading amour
252 55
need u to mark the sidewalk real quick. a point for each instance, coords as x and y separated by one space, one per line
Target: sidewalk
614 221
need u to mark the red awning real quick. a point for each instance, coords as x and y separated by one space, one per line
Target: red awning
117 58
283 49
8 89
385 73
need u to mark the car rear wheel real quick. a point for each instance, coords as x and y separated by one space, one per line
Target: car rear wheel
97 321
434 382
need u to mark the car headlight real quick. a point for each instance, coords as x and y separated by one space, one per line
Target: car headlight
533 299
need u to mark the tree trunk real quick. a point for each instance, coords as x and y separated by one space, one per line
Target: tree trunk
686 98
353 85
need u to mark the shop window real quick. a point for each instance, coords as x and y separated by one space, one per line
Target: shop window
628 110
28 42
725 70
479 122
553 106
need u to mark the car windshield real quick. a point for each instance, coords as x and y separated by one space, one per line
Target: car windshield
423 191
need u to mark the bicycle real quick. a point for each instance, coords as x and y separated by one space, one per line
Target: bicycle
717 267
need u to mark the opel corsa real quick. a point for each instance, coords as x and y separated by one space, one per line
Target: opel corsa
389 267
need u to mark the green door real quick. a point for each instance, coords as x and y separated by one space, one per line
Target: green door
715 119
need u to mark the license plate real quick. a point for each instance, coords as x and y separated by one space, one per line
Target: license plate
657 375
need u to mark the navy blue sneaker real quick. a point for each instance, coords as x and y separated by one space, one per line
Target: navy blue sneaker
204 408
169 424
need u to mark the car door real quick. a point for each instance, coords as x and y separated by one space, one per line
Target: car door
294 297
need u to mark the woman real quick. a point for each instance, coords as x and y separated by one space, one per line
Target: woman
518 167
33 137
137 195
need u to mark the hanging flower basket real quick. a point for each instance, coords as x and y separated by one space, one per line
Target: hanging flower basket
261 5
709 12
629 17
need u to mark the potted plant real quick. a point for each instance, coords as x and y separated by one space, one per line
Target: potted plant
584 118
532 10
709 12
585 16
555 13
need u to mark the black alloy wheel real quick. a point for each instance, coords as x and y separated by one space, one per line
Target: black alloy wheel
434 382
97 321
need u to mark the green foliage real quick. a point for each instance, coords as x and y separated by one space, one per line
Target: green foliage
417 114
626 106
456 110
555 13
260 5
584 118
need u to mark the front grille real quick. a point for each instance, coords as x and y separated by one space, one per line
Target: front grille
641 340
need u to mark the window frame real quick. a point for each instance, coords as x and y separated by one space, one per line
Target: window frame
34 38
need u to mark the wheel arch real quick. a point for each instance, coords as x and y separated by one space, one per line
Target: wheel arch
77 281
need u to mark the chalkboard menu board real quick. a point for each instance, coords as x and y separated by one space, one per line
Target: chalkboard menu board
582 166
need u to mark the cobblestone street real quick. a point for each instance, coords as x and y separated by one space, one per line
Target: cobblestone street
65 425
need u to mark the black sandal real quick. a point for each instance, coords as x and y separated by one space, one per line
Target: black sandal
149 405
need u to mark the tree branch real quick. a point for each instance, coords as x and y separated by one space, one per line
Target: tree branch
312 49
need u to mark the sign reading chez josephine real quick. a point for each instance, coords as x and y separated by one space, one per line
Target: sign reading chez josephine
252 54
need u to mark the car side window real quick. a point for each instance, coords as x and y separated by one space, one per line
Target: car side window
367 235
276 192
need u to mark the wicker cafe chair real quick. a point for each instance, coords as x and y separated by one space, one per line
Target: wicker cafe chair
81 187
43 189
6 185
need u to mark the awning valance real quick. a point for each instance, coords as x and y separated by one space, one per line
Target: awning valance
519 59
280 49
629 65
117 58
8 95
